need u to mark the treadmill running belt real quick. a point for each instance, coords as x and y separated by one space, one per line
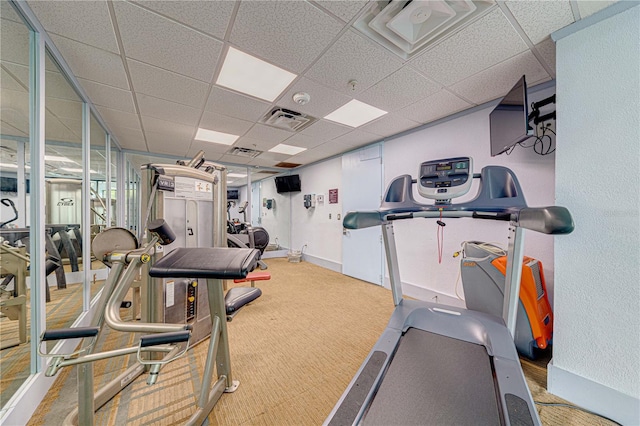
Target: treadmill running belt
436 380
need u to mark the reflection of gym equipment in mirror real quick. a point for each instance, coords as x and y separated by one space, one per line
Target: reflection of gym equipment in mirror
427 347
14 267
243 234
118 249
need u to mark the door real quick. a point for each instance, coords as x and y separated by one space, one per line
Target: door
362 249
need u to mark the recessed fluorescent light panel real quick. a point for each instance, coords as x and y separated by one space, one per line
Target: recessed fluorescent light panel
236 175
287 149
215 137
57 158
69 169
12 166
355 114
253 76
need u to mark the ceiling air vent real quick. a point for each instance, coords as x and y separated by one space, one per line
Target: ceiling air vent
287 119
244 152
408 27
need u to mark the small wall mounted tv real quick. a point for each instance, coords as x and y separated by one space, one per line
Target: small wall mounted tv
509 121
288 184
10 184
233 194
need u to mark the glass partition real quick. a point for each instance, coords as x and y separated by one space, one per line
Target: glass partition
99 202
112 196
63 194
14 209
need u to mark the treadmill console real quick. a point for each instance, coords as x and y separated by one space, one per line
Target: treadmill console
445 179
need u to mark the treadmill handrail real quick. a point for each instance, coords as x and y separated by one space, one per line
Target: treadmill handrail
499 197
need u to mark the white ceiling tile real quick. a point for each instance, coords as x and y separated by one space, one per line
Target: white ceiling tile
15 108
91 23
55 130
235 159
169 111
323 100
129 138
290 34
355 139
400 89
116 118
538 19
7 81
156 40
547 49
268 134
174 131
439 105
211 153
273 157
496 81
8 130
167 85
224 124
57 86
484 43
312 155
353 57
389 125
108 96
64 108
233 104
211 17
19 73
164 143
326 130
304 141
92 63
589 7
8 13
14 41
345 10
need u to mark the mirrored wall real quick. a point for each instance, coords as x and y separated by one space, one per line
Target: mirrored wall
79 201
15 303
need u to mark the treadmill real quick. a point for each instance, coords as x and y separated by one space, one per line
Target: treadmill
436 364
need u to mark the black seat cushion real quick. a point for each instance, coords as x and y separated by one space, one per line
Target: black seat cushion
206 262
237 297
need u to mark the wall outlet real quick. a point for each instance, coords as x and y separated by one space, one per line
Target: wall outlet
338 216
329 215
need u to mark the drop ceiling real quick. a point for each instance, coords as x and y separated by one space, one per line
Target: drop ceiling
150 68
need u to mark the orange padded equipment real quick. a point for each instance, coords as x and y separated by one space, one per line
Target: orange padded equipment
533 296
253 277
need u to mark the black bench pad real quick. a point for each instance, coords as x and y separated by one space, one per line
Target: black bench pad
206 262
237 297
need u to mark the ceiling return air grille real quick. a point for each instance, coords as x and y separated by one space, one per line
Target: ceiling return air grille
287 119
244 152
408 27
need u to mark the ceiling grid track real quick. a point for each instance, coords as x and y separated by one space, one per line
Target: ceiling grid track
513 21
123 56
216 72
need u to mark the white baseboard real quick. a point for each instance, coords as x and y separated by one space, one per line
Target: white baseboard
421 293
593 396
325 263
274 253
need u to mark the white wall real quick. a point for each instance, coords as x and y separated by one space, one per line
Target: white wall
416 241
313 227
596 360
276 221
